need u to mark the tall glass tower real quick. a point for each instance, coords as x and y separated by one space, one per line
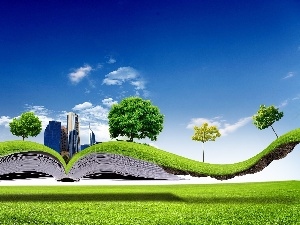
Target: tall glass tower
73 133
52 135
92 137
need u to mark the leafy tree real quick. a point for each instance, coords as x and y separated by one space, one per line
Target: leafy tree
266 116
134 117
27 125
205 133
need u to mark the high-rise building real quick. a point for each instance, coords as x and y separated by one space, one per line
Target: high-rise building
73 133
64 139
52 135
92 137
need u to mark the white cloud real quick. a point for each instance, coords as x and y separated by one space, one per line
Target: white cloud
88 112
200 121
289 75
230 128
139 84
79 74
224 128
127 74
111 60
85 105
120 75
288 101
5 120
284 103
108 81
108 102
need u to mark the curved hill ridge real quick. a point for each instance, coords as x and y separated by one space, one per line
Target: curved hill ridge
170 162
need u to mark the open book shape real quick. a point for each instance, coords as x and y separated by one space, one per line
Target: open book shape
23 159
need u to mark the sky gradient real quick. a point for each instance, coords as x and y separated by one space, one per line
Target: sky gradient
198 61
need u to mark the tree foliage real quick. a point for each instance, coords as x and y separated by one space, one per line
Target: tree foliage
266 116
205 133
26 125
134 117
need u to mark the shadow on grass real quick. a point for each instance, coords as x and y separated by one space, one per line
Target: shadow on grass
243 200
167 197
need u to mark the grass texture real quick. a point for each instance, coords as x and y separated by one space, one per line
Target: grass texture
154 155
243 203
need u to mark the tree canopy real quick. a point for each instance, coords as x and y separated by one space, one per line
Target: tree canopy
26 125
266 116
134 117
205 133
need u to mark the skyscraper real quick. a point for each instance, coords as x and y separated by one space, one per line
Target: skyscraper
73 133
52 135
92 137
64 139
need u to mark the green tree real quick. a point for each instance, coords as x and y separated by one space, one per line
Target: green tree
27 125
205 133
134 117
266 116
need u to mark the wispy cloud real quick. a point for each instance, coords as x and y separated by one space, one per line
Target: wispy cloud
89 112
139 84
120 75
111 60
288 101
80 73
224 128
108 102
85 105
5 120
126 74
289 75
284 103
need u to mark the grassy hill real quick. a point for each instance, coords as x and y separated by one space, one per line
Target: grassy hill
169 161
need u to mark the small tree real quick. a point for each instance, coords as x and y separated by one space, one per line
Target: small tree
134 117
205 133
266 116
27 125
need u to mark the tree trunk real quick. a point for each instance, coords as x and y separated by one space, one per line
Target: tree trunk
274 131
203 151
23 138
131 138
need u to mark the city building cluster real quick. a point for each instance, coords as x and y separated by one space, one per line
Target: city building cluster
66 140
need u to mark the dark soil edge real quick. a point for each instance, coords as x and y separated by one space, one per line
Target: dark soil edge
278 153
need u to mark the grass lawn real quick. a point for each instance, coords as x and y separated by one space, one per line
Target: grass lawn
242 203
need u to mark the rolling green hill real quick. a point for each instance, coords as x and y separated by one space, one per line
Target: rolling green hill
171 162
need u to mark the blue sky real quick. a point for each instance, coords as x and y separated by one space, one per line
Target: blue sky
198 61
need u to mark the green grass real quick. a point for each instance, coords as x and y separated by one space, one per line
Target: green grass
244 203
154 155
11 147
170 160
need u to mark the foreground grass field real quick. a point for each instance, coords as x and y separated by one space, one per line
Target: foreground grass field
244 203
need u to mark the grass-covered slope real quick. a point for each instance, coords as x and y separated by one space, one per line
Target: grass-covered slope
181 165
10 147
170 162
